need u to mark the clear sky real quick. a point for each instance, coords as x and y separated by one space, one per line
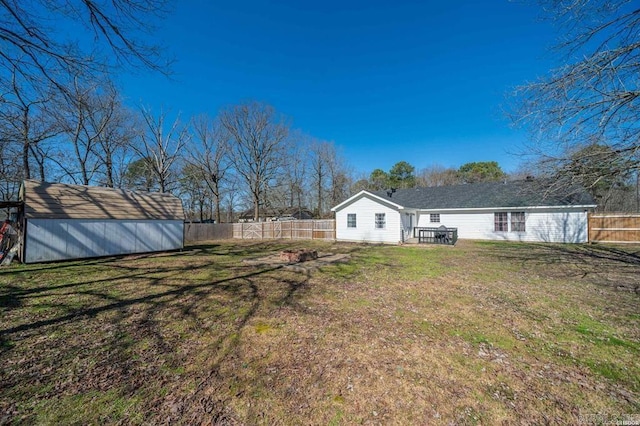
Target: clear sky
420 81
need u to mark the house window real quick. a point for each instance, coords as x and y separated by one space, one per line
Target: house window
434 218
380 221
351 220
501 222
517 222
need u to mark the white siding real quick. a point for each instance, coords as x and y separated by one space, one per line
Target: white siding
542 225
365 230
63 239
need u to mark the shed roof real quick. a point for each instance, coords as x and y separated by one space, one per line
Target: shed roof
63 201
524 193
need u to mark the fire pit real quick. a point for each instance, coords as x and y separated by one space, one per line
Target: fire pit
297 256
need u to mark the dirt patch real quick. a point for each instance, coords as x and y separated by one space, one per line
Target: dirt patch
297 256
322 259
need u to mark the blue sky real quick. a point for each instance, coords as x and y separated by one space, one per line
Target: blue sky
420 81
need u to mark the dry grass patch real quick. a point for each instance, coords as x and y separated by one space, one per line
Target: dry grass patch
480 333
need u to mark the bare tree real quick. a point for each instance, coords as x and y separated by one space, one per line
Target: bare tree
329 177
74 115
194 190
10 171
296 173
592 98
210 154
36 43
114 124
26 120
287 193
231 196
258 148
161 147
98 128
437 175
340 178
320 155
361 182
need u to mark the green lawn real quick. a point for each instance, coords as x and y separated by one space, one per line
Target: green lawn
480 333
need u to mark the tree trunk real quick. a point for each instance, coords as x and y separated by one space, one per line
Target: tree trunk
108 164
25 160
256 207
319 197
217 207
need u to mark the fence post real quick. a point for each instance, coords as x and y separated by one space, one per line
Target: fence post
313 226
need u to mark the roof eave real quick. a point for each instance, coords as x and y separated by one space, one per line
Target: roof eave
363 193
573 206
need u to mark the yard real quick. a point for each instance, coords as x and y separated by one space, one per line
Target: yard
480 333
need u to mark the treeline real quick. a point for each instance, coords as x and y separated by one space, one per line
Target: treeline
404 175
62 119
247 155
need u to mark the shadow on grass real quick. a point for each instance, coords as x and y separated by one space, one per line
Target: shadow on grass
122 303
10 295
140 328
604 264
101 261
216 310
561 253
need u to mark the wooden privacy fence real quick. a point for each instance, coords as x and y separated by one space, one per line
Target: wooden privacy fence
614 228
293 229
207 231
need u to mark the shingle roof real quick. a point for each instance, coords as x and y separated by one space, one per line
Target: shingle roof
63 201
487 195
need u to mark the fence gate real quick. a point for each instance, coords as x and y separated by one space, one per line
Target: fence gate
252 230
277 229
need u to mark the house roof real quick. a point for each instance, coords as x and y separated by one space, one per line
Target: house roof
63 201
487 195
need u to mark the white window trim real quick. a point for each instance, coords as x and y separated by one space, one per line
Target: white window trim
355 220
375 221
511 222
507 222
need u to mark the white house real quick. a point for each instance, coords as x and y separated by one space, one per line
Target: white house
511 211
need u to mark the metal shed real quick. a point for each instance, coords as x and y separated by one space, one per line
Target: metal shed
62 222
